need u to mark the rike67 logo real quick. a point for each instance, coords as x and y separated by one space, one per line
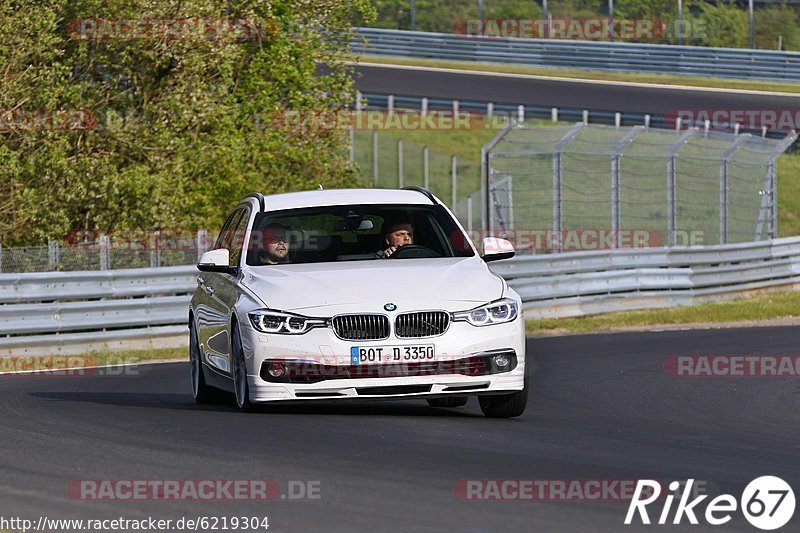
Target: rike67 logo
767 503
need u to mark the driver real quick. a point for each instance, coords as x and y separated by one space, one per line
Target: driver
396 235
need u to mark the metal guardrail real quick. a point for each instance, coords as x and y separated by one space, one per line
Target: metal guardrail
78 312
584 283
593 55
63 313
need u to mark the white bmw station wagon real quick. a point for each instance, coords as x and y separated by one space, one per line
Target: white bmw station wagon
357 293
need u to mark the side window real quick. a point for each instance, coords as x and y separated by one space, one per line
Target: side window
224 238
237 238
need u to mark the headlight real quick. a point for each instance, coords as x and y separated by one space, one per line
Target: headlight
499 312
284 323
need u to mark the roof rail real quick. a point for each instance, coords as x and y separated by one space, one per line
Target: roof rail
262 202
422 190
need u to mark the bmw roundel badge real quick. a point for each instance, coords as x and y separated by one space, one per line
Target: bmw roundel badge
390 307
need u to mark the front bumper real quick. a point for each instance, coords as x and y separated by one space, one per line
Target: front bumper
463 365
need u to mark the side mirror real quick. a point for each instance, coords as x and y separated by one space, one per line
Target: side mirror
216 261
495 249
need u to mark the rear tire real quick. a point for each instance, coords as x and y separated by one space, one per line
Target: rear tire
449 401
505 405
240 386
201 392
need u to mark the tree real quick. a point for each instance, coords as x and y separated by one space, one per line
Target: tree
184 122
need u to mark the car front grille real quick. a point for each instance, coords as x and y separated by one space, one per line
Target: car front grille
422 324
361 327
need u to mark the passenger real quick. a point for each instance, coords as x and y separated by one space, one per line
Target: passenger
276 244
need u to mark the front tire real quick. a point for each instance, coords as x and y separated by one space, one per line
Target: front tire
201 392
505 405
240 386
449 401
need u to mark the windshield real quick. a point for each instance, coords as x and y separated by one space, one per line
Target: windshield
355 233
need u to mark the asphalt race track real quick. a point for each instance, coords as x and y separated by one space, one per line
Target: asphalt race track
570 94
602 407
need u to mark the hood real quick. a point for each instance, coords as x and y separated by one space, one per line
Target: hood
324 289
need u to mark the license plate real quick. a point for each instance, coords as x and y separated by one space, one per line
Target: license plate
360 355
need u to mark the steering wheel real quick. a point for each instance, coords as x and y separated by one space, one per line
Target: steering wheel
413 251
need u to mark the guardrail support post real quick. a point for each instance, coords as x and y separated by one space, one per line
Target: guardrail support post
358 100
521 113
489 112
455 109
586 116
554 114
1 257
424 106
647 121
390 104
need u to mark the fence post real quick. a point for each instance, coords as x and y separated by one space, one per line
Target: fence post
374 158
202 243
105 252
352 144
469 215
425 177
723 187
616 161
399 163
672 154
52 254
510 200
558 148
454 178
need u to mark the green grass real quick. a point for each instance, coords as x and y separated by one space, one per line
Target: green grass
765 307
661 79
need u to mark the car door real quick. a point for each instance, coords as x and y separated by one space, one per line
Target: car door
212 314
225 293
